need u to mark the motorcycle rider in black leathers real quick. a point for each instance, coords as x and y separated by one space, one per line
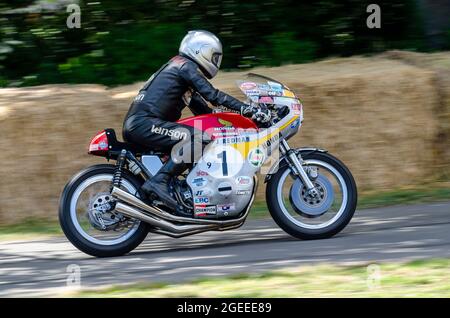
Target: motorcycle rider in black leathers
151 119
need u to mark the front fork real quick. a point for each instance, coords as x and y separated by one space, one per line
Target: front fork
296 165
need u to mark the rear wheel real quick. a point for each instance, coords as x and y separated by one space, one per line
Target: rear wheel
88 218
307 217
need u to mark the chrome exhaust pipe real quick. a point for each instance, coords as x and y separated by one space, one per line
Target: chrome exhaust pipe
163 224
160 214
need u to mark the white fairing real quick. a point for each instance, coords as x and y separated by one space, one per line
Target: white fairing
222 181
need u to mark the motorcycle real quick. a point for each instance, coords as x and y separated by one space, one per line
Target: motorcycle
309 193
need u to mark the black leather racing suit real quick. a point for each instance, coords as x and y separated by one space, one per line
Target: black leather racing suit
150 121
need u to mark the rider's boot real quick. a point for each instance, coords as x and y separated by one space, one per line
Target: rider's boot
159 184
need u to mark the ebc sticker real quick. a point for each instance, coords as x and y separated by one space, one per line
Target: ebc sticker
201 200
256 157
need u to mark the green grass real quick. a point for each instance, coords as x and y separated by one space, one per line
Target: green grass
375 199
432 193
404 196
427 278
30 228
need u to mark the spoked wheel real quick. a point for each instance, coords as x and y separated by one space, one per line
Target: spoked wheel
88 217
307 216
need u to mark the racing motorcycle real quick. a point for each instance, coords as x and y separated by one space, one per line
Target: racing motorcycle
309 193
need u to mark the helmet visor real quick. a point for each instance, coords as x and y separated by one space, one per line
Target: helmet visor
216 59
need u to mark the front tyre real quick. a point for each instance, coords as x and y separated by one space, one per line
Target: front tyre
306 217
88 218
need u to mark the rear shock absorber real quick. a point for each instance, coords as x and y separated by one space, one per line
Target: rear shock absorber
117 177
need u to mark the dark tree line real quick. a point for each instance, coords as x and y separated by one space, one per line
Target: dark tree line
125 41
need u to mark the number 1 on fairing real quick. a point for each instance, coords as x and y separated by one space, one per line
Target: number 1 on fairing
224 162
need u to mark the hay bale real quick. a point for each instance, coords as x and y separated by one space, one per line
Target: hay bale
376 114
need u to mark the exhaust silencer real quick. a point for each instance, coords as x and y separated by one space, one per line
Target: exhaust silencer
162 224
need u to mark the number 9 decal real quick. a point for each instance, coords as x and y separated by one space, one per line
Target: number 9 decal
221 161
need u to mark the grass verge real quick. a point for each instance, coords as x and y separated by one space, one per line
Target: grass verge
428 278
432 193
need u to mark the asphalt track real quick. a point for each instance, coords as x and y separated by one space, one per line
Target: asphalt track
399 233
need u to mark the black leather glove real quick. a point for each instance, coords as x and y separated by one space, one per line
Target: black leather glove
257 113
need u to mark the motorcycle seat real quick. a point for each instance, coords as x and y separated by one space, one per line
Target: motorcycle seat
116 145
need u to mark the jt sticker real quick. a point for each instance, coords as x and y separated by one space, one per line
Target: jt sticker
204 192
226 207
242 192
248 86
243 180
199 182
224 188
256 157
201 200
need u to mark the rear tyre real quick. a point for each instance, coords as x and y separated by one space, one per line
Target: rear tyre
93 184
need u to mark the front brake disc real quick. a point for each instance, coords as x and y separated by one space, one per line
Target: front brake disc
307 205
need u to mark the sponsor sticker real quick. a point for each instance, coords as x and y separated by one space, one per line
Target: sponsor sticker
203 210
248 86
264 87
275 86
275 93
266 100
176 134
103 145
256 157
271 141
296 108
243 180
295 123
233 140
224 188
225 123
201 173
201 200
199 182
253 92
226 207
203 192
288 93
243 192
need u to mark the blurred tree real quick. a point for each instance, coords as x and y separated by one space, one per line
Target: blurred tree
125 41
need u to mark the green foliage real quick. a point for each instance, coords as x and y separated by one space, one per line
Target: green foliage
125 41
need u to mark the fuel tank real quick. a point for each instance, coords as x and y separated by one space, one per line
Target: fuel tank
218 122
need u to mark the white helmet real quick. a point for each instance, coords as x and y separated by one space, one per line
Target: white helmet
205 49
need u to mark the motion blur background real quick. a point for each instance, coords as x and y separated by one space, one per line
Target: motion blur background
376 97
121 42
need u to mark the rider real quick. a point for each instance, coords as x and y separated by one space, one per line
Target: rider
151 119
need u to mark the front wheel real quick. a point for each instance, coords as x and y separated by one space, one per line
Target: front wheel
88 218
304 216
